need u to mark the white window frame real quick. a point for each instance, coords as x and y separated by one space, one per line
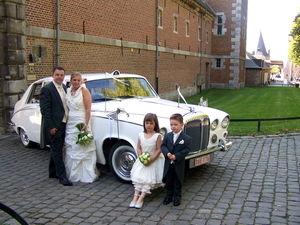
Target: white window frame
220 24
199 33
219 27
187 28
218 63
159 17
175 24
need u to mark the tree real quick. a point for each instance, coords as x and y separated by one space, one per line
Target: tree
295 41
275 69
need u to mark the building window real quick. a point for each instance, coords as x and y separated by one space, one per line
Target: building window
187 28
199 33
219 24
219 28
218 63
175 24
159 17
244 29
206 36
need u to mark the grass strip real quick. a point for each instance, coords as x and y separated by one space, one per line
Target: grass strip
256 103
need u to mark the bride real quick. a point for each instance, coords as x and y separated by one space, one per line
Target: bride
80 160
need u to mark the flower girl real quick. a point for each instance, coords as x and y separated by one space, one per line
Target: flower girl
147 171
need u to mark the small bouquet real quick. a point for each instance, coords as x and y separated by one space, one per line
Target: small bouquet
84 138
144 157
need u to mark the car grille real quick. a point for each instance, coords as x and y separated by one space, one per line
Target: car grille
198 130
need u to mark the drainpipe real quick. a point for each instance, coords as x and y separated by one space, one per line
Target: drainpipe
201 46
57 31
156 49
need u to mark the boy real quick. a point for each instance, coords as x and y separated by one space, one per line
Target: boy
175 146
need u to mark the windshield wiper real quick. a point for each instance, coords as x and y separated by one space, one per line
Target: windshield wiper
102 99
126 96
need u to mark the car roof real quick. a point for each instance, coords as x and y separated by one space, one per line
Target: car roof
97 76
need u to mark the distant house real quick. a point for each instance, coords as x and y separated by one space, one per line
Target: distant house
257 70
258 65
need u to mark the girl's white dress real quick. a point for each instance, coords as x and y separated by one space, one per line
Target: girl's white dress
146 178
80 160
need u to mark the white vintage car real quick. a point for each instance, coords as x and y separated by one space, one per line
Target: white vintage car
119 104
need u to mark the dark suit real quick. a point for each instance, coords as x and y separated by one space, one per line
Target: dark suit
53 112
174 173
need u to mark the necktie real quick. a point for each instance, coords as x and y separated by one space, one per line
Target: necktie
175 136
62 94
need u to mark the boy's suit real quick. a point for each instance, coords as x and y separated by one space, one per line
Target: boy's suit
180 149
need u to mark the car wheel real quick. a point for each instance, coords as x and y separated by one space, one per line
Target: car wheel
25 140
121 159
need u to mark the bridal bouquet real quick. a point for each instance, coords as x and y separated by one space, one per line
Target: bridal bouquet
144 157
84 138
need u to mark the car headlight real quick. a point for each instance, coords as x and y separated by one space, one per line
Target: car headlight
225 122
214 124
163 131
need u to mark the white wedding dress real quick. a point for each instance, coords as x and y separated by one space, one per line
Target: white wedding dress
146 178
80 160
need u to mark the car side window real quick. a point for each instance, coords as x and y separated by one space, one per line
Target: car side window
34 96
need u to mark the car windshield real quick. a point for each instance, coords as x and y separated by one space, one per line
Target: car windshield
112 88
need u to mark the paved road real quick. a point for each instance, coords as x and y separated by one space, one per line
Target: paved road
255 182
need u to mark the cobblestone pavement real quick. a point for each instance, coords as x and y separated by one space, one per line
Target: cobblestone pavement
255 182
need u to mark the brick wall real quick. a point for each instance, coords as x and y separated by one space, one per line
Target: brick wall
124 21
131 20
252 78
132 23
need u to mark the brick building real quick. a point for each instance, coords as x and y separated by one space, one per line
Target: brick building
194 44
228 44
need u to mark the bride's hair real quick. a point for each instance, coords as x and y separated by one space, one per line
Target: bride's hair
75 74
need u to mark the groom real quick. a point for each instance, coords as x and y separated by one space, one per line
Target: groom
54 117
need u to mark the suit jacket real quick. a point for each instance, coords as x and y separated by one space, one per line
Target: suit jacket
180 149
52 110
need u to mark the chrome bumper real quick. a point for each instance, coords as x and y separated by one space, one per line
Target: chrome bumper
223 146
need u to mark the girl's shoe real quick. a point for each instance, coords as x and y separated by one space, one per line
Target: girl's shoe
139 205
132 204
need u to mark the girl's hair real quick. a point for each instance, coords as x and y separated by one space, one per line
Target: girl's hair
75 74
151 117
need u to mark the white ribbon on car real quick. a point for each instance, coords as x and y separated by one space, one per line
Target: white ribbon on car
192 109
113 116
178 90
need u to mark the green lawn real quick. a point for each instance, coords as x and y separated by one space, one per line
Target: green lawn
256 103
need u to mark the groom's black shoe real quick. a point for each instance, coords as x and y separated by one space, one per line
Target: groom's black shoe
65 182
167 200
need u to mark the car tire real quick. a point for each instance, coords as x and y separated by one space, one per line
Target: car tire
121 159
24 139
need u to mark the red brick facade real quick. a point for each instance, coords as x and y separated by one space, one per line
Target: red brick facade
95 36
182 60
